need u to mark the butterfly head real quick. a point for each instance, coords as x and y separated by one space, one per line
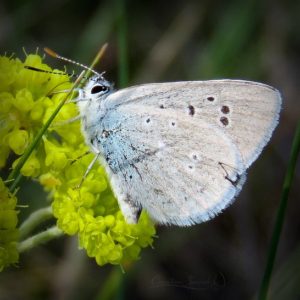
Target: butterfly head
97 88
90 99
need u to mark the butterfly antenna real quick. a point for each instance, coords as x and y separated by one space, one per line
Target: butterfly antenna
55 55
49 72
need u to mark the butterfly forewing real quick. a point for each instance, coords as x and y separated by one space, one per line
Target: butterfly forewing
246 111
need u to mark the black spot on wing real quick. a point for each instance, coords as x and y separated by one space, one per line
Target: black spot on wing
225 109
191 110
224 121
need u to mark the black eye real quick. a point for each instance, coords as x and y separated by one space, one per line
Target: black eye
98 89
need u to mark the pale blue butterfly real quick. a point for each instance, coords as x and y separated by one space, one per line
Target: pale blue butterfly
180 150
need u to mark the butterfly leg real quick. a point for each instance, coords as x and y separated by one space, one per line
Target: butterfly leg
88 170
80 157
65 122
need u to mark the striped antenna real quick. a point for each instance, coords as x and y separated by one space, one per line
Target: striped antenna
55 55
49 72
59 73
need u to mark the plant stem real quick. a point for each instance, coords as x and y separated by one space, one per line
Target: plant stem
34 220
42 237
92 65
280 216
15 175
122 43
111 285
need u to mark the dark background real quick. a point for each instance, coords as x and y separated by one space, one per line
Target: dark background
166 41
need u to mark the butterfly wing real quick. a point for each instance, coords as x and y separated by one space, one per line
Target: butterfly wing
246 111
174 149
181 170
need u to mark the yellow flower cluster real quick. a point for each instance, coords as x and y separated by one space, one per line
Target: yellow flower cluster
8 231
59 162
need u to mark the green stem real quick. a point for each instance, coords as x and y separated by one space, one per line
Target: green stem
93 64
280 216
122 43
112 284
15 175
15 180
40 238
34 220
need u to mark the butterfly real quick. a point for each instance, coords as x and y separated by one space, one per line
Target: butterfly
179 150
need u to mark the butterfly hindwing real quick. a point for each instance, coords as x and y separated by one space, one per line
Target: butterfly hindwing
182 170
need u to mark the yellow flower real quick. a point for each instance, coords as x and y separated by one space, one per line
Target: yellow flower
8 232
18 141
23 100
59 163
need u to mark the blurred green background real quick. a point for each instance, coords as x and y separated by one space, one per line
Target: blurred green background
155 41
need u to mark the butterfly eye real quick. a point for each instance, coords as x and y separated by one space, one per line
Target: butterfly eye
98 89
